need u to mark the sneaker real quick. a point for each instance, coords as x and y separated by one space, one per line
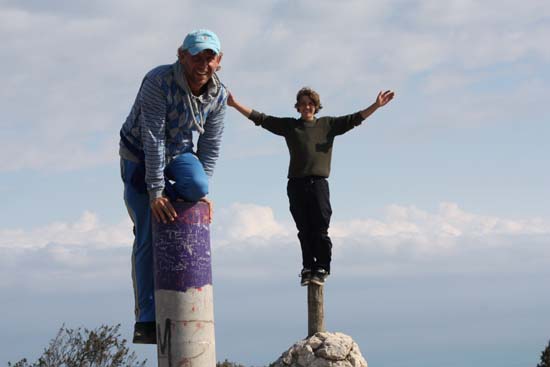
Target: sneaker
319 276
306 276
145 333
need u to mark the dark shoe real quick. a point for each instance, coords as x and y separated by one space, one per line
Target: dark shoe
306 276
319 276
145 333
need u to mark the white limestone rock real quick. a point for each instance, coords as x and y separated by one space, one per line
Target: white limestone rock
323 350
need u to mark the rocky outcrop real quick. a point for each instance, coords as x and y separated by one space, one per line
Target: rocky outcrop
323 350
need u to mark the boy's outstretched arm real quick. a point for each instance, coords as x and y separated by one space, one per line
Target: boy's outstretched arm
232 102
276 125
382 99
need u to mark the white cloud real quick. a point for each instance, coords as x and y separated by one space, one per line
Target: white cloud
247 223
247 239
469 13
449 222
486 33
83 254
84 231
409 240
79 67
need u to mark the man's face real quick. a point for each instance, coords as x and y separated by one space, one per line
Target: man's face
306 107
199 68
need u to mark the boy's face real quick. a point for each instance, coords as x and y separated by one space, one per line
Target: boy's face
306 107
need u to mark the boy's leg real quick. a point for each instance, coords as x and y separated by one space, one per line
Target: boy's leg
319 213
139 210
191 182
297 197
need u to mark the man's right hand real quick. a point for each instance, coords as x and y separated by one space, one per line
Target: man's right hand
163 210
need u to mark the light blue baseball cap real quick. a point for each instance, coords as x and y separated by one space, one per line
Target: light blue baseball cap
200 40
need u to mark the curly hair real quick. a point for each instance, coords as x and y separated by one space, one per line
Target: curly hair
313 95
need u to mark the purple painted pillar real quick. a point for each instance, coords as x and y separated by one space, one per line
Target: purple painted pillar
183 288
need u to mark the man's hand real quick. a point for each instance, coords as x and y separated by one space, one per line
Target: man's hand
384 97
163 210
210 208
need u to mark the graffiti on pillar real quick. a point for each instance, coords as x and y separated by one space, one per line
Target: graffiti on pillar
165 341
182 249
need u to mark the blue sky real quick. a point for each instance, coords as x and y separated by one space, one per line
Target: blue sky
441 223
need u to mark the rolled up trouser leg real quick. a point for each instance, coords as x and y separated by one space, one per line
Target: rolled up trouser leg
183 288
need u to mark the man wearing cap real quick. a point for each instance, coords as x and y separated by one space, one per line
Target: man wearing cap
158 162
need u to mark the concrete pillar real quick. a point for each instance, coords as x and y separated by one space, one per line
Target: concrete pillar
183 288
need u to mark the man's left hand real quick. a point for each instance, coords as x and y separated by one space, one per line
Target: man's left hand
210 208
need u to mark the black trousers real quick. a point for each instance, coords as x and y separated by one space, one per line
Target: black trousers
309 199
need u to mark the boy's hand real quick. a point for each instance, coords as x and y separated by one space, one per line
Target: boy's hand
231 100
384 97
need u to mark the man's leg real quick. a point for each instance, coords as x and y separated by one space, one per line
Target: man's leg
191 182
297 197
137 203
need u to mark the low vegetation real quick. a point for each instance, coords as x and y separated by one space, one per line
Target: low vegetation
100 347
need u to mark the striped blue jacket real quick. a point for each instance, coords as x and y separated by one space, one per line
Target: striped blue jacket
161 123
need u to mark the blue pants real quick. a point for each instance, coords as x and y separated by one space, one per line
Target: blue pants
187 181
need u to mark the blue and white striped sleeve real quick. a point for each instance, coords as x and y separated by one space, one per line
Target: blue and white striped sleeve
153 120
208 144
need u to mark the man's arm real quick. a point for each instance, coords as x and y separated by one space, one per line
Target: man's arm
208 144
153 115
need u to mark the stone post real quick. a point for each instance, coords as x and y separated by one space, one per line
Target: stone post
183 288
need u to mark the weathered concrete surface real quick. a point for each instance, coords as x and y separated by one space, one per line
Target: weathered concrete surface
183 288
323 350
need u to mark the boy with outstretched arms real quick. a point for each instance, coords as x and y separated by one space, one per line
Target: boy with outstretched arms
310 140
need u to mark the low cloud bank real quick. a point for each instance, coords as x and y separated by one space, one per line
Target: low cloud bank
247 239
